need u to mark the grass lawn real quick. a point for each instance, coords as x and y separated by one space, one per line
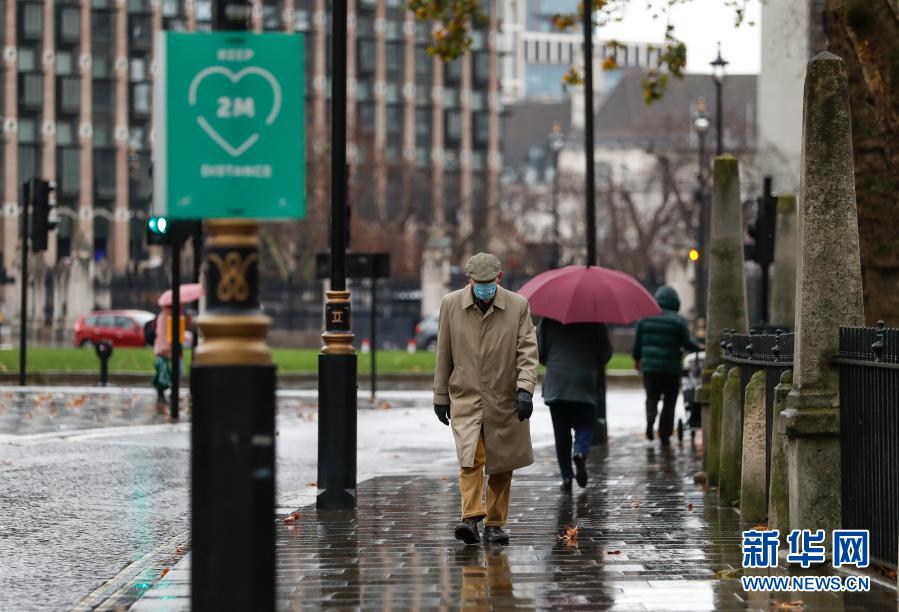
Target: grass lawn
288 360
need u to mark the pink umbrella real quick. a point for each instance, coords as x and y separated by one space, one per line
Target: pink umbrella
190 292
582 294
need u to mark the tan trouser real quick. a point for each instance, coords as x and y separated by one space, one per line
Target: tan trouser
471 484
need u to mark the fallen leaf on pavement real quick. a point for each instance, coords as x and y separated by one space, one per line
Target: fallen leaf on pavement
312 484
179 550
613 552
570 534
760 527
726 573
165 571
291 518
690 507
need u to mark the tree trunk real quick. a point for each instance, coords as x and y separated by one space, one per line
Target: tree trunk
865 33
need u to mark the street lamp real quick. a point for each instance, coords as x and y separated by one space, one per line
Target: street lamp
701 124
719 75
556 143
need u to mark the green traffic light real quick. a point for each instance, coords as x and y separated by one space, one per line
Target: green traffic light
157 225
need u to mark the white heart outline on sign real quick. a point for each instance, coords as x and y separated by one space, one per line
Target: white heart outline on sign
234 78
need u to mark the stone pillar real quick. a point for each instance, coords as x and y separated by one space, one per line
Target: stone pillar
783 285
727 281
778 492
828 295
730 469
753 477
435 272
713 427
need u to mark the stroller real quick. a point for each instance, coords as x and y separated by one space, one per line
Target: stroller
691 379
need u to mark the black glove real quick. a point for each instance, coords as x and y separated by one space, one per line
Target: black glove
442 413
524 404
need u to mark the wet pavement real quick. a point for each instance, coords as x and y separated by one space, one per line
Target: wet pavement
648 539
104 511
94 483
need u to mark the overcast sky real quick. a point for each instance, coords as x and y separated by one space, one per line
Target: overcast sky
700 24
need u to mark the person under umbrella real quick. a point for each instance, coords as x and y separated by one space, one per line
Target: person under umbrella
575 356
658 353
577 303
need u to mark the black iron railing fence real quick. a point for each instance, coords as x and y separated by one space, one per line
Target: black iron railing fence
869 435
771 352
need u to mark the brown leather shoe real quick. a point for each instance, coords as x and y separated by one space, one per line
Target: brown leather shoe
468 531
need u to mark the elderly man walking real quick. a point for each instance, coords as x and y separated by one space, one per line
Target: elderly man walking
484 382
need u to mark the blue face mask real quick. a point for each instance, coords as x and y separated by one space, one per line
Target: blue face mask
485 291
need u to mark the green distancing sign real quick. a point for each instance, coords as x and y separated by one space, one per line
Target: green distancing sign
228 119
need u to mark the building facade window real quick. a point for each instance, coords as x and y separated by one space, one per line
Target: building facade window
69 95
64 63
69 24
25 59
32 20
141 99
453 120
64 133
138 69
31 90
394 57
26 131
366 56
69 170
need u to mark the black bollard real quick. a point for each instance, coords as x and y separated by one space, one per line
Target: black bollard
232 385
104 352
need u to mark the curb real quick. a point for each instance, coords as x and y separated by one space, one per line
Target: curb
286 380
130 584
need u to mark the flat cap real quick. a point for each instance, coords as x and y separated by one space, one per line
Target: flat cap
482 268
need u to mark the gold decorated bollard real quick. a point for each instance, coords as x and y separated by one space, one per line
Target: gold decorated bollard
232 383
338 339
233 327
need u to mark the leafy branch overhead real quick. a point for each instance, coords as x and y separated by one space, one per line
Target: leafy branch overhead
452 35
452 30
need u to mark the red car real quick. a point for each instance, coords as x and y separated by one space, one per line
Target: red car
121 327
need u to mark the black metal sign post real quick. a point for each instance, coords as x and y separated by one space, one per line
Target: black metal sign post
175 320
373 324
600 430
36 209
371 266
23 304
337 364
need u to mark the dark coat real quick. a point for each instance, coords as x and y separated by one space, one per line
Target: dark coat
575 356
661 340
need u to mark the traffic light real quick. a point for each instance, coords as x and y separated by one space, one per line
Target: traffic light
158 231
41 225
694 254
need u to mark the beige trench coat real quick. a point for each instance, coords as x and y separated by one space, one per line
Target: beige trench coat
482 359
